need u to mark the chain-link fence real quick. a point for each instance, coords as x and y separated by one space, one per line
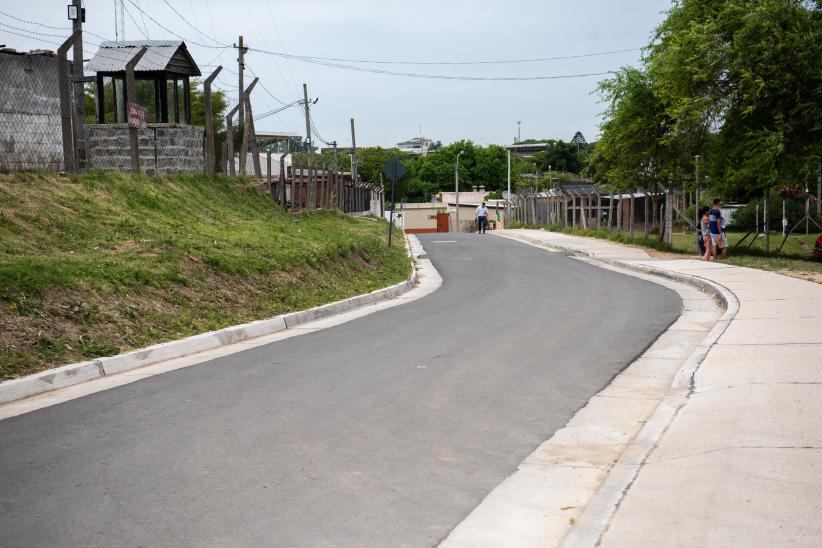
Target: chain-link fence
30 126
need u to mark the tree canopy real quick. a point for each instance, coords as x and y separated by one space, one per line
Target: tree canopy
737 82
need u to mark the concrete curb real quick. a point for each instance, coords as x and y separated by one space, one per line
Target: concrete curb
76 373
591 525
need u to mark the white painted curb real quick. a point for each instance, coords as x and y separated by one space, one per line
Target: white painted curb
77 373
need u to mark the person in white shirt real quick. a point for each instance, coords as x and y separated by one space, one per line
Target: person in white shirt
482 218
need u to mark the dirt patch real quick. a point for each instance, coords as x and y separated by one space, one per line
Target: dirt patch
807 276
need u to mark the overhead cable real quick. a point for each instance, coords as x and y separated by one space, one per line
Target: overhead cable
433 76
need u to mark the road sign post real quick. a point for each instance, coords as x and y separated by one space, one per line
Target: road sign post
394 170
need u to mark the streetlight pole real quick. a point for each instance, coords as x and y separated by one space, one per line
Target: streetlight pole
508 200
457 189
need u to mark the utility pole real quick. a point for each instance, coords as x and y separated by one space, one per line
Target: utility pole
354 174
241 67
310 187
508 201
77 88
519 136
119 20
457 189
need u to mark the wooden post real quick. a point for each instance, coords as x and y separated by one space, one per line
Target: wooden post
632 214
209 123
247 131
64 83
176 96
186 102
163 99
268 175
282 180
224 158
131 89
229 139
101 99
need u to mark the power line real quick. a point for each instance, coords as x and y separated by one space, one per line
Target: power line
432 76
136 24
280 39
317 133
187 22
477 62
251 70
143 17
276 110
262 37
171 31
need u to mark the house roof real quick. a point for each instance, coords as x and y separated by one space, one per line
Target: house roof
161 56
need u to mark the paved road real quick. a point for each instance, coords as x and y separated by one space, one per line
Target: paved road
385 431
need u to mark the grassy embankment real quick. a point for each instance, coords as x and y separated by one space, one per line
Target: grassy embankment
103 263
792 261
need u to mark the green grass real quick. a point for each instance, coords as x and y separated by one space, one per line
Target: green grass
102 263
793 260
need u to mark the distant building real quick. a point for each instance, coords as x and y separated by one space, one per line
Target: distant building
417 145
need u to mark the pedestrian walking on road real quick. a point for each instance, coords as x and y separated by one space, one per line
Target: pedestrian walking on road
482 218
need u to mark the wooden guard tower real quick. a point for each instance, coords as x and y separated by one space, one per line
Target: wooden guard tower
166 63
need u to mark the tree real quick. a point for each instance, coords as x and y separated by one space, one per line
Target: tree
741 84
631 151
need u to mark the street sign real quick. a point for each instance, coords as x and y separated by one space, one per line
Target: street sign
393 169
136 115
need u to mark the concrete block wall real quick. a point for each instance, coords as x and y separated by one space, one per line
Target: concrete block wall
30 130
164 148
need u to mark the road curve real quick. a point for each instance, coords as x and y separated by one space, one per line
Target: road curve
384 431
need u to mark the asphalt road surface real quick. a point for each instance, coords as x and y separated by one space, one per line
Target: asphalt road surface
384 431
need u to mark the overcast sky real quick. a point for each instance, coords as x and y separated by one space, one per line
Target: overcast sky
389 109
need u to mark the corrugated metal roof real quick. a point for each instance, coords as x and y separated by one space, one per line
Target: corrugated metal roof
113 56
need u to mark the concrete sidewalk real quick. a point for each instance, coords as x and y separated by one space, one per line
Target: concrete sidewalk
739 462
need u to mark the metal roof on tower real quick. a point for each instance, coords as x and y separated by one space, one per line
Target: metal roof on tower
169 56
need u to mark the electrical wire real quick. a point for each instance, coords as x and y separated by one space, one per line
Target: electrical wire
174 33
136 24
477 62
276 110
187 22
432 76
280 40
264 87
265 42
143 17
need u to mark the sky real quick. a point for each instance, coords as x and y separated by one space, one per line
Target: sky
387 108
